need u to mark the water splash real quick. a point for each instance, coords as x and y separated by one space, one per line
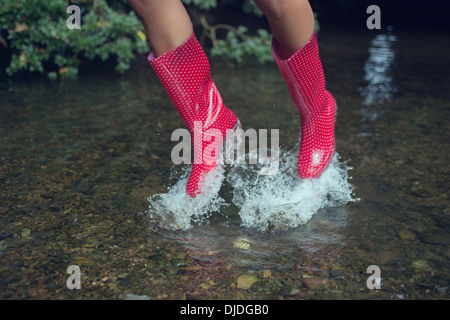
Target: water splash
266 202
283 201
177 210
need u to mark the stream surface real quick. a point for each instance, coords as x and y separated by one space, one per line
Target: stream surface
83 162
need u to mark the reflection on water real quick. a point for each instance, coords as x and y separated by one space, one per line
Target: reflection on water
377 68
223 241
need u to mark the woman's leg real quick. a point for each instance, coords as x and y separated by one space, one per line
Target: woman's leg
166 23
184 71
291 22
296 52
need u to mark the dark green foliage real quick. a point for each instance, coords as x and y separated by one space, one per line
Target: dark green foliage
36 34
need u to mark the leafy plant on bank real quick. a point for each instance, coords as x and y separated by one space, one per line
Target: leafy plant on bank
38 37
36 34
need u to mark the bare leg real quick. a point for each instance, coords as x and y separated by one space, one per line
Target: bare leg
291 21
166 23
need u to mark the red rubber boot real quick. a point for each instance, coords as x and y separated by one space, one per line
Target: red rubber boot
305 80
185 75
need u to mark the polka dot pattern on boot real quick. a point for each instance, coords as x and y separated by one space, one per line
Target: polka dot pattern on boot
185 75
304 76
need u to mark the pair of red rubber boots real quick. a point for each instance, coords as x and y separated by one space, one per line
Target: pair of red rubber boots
185 75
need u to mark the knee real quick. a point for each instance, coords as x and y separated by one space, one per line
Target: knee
276 9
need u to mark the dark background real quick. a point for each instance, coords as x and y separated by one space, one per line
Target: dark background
401 14
347 15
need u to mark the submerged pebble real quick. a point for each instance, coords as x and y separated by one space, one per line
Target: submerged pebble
406 235
244 282
421 265
242 244
132 296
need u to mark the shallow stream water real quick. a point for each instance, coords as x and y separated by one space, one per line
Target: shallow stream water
79 159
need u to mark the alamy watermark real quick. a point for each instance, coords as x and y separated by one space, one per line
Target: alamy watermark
230 150
374 281
374 20
74 281
74 20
